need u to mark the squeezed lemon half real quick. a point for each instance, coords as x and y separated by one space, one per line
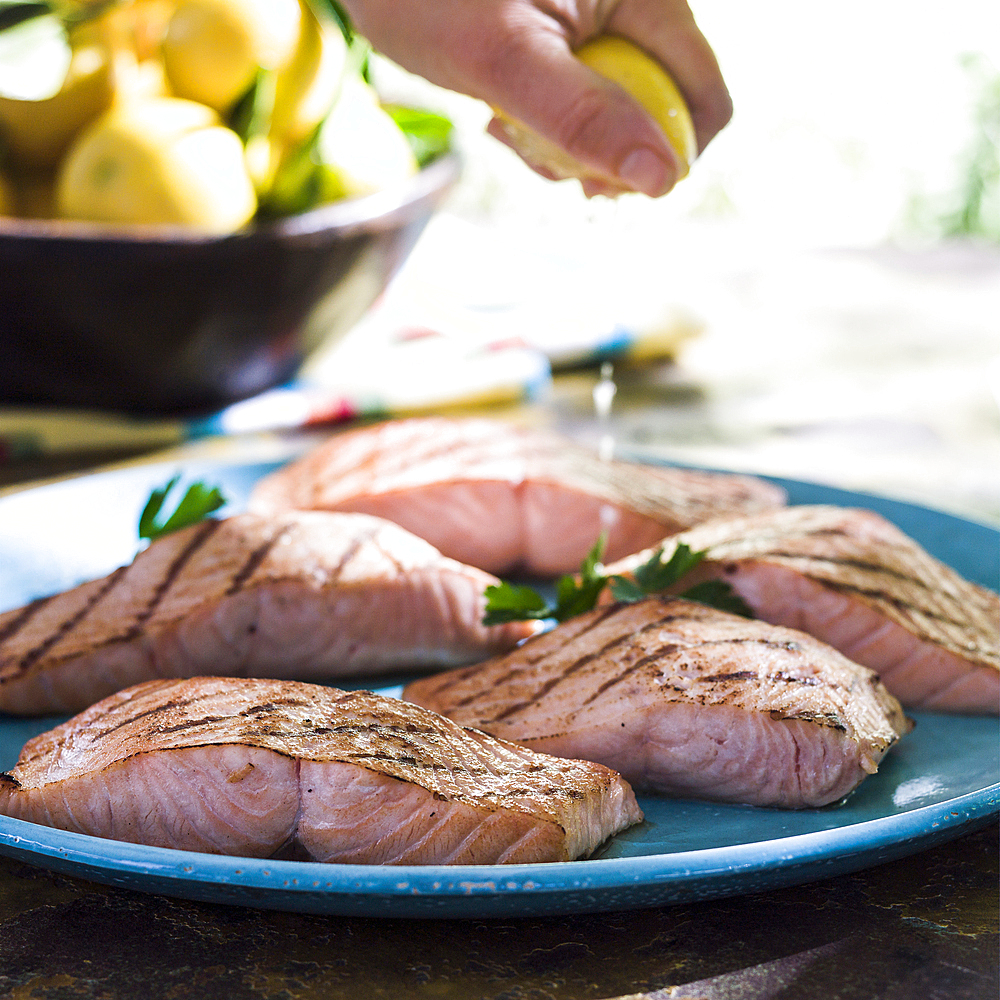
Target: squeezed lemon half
640 75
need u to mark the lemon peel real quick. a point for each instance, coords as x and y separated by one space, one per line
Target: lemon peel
361 148
161 161
643 78
37 133
213 49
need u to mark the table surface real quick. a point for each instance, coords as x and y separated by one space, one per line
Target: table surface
910 416
924 926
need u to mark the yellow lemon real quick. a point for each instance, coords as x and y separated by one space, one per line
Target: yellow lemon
304 91
641 76
160 161
307 86
362 149
213 49
37 133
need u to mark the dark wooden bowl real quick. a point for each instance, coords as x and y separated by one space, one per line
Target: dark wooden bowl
162 321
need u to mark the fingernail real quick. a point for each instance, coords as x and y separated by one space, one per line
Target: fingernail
642 170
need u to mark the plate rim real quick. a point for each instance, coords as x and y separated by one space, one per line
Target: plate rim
477 890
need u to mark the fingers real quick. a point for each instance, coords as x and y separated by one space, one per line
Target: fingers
537 81
666 29
517 56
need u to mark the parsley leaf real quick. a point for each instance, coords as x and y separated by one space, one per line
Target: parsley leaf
508 602
574 597
197 503
656 575
719 594
428 134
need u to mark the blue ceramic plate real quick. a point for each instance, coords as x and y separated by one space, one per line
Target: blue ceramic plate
939 782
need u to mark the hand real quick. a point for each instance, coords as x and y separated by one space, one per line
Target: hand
517 56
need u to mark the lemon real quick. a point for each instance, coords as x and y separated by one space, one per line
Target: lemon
37 133
641 76
213 49
159 161
361 148
307 86
305 89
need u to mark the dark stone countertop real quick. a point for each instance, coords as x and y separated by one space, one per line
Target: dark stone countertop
924 927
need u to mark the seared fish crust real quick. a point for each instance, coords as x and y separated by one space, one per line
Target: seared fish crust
303 595
854 580
502 497
263 768
685 700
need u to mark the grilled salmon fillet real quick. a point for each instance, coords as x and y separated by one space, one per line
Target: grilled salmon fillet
853 579
684 700
306 595
264 768
505 498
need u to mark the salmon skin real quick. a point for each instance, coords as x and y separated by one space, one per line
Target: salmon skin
684 700
265 768
854 580
505 498
302 595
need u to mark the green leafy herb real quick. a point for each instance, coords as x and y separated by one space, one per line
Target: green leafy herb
428 133
250 117
510 602
333 10
719 594
507 602
655 575
197 503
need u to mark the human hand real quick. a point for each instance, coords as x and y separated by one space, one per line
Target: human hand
517 56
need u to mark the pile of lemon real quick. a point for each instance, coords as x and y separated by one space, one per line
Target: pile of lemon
199 113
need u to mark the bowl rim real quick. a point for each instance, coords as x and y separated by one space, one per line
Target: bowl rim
347 215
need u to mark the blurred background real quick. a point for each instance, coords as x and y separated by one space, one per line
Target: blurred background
819 299
827 277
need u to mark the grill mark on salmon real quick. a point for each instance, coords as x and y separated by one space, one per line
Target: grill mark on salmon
264 768
33 655
685 700
854 580
21 619
309 595
198 539
665 650
254 561
624 675
177 705
544 497
868 566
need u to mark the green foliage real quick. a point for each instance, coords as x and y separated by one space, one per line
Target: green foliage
971 206
429 134
197 503
507 602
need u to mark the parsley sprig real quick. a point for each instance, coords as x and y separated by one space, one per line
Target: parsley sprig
508 602
197 503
